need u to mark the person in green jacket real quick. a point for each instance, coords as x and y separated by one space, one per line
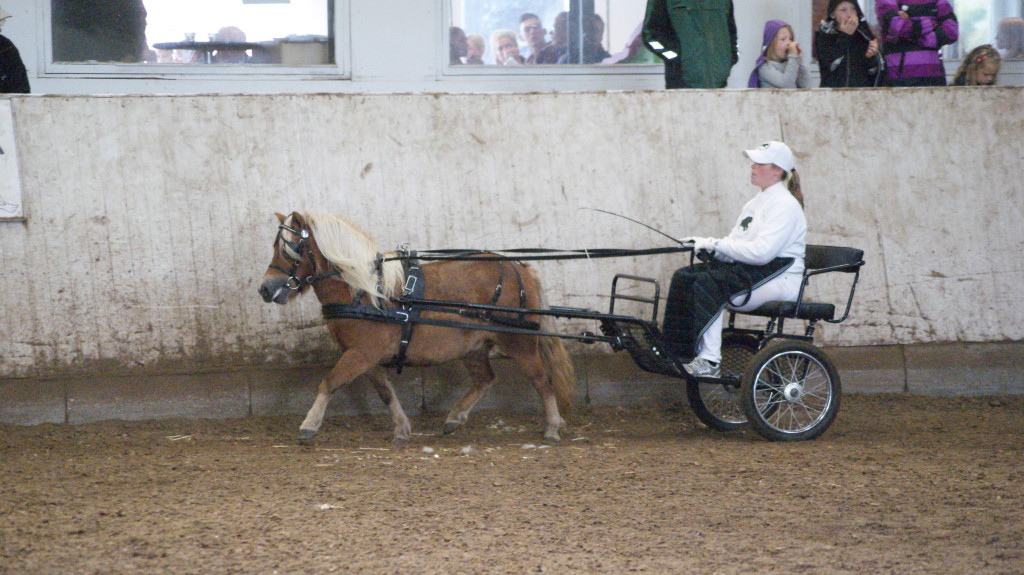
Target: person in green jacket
695 38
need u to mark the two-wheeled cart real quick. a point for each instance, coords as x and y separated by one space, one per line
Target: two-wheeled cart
777 382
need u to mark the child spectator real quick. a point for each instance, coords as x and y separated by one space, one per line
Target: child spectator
847 49
1010 37
913 31
780 64
475 49
979 68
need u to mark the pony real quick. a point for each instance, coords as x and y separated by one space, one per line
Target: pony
342 265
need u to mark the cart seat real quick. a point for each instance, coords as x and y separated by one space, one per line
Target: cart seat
788 309
817 260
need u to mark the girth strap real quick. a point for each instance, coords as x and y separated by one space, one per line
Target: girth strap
414 288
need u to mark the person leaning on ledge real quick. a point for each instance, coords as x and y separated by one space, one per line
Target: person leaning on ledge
13 76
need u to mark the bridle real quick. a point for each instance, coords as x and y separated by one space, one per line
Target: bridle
301 249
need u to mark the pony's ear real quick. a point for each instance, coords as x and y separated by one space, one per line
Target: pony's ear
280 217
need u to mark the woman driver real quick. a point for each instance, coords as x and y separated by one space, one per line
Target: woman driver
762 256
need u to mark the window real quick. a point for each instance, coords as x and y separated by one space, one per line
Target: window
191 33
547 33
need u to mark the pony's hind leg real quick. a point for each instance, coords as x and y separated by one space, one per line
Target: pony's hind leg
479 367
533 364
403 429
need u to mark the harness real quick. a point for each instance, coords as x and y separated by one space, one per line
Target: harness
299 248
407 312
406 309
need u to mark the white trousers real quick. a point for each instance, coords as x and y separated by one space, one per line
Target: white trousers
783 288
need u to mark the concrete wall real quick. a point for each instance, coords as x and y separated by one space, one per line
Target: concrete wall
150 219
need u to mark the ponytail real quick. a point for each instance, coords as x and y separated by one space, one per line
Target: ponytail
792 180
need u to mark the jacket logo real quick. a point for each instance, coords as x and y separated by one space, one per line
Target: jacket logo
746 222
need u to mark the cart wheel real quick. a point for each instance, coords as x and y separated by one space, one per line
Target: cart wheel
790 392
717 405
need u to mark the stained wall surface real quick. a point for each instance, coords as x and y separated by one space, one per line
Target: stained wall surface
150 218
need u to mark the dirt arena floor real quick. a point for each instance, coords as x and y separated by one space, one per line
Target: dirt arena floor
899 484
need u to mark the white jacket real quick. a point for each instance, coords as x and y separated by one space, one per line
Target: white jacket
771 225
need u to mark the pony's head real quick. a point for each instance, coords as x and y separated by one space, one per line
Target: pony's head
292 263
311 247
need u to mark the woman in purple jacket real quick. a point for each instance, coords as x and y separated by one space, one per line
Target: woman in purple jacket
912 32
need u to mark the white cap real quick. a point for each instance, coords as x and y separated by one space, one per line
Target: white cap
772 153
3 15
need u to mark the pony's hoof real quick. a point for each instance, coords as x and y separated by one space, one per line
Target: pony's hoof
449 427
553 437
306 436
400 442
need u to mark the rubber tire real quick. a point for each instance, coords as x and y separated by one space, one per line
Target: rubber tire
718 405
814 395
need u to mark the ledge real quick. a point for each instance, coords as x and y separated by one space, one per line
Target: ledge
967 369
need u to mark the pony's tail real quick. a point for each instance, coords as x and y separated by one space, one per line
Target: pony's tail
556 359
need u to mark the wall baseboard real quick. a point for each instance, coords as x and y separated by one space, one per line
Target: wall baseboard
954 369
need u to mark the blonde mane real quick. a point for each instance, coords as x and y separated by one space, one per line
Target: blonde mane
353 253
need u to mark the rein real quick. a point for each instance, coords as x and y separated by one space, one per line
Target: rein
529 254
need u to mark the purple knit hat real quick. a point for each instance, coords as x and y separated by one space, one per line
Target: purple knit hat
771 28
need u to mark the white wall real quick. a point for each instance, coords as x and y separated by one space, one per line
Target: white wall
150 218
401 46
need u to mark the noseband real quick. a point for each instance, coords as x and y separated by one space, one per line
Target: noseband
300 248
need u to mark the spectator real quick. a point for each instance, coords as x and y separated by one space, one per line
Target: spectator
560 34
913 31
458 45
506 48
697 46
635 52
761 260
99 30
1010 37
979 68
780 64
589 50
533 33
475 49
13 76
229 34
847 49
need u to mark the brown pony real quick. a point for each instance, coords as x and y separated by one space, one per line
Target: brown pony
338 261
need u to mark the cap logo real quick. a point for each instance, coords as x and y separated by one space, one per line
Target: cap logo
765 145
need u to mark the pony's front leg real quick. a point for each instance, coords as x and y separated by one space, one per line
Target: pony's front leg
352 364
403 429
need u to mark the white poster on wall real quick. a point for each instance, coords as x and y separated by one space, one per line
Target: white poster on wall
10 174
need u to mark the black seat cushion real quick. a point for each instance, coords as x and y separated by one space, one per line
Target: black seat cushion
787 309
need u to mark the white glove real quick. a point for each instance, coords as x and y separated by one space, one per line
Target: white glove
706 244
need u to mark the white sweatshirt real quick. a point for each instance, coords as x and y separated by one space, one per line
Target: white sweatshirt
771 225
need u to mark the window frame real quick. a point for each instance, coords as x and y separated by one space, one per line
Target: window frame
341 69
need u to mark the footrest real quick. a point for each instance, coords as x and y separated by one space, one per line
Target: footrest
645 345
